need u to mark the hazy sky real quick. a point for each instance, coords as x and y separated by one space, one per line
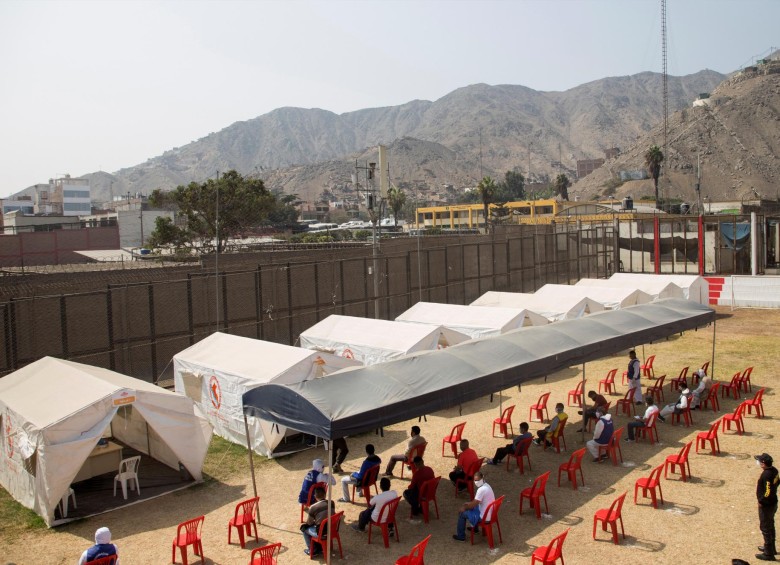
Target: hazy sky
102 85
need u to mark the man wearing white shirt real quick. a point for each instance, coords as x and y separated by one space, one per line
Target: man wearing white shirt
374 510
675 407
474 511
641 422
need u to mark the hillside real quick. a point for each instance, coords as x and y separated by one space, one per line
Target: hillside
301 150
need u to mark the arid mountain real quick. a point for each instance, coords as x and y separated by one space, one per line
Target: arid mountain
734 136
304 151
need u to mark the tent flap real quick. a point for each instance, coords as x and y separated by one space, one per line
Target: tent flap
359 400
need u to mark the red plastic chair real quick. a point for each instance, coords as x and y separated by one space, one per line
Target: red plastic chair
244 520
610 516
577 394
712 398
650 483
571 467
756 402
369 480
523 449
613 447
453 439
710 436
417 450
550 554
609 382
650 429
109 560
534 493
680 382
265 555
557 438
504 421
681 460
625 405
686 415
733 387
744 380
386 518
541 405
324 536
736 418
486 524
427 495
310 497
416 556
188 533
657 390
647 368
475 466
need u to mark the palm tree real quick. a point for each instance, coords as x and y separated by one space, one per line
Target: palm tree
487 190
562 185
396 198
653 159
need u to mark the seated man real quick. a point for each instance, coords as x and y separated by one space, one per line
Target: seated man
605 427
357 478
465 459
641 421
313 477
372 513
675 407
598 402
315 515
510 448
474 511
555 427
702 392
421 474
415 439
102 548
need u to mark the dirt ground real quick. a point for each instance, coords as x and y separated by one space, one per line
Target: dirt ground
710 519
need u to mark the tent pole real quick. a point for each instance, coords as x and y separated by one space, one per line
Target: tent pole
251 465
582 403
712 361
327 445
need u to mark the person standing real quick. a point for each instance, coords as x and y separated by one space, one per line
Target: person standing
415 439
340 451
634 374
766 493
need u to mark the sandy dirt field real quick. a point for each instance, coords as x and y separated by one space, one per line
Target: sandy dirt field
710 519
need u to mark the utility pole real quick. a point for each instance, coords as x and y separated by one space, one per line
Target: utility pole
698 182
664 163
216 255
375 213
481 174
530 144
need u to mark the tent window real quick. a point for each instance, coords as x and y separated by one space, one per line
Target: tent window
31 463
193 386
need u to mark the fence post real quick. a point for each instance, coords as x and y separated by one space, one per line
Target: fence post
190 313
152 331
258 304
289 306
657 244
64 327
701 245
110 329
317 290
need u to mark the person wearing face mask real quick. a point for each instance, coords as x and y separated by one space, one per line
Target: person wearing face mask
702 392
766 493
474 511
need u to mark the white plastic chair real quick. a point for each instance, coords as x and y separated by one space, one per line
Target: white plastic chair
128 471
64 502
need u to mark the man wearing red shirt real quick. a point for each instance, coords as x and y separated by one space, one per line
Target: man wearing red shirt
465 460
421 474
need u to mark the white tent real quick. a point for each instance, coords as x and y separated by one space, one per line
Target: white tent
218 370
654 286
474 321
694 287
554 307
612 298
54 412
373 341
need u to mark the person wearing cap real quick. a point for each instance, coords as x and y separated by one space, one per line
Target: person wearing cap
602 433
313 477
415 439
766 493
702 392
675 407
102 548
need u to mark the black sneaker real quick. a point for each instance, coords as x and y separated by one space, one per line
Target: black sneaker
759 556
456 538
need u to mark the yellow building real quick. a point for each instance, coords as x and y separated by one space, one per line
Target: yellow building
472 215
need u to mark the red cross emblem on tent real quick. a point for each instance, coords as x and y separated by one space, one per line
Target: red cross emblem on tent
9 440
215 392
348 353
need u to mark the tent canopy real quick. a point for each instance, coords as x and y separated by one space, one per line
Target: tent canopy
217 370
373 341
555 304
611 298
653 285
352 402
470 320
54 412
693 287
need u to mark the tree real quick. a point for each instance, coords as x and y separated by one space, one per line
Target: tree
396 198
513 187
238 202
653 159
562 185
284 211
487 191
